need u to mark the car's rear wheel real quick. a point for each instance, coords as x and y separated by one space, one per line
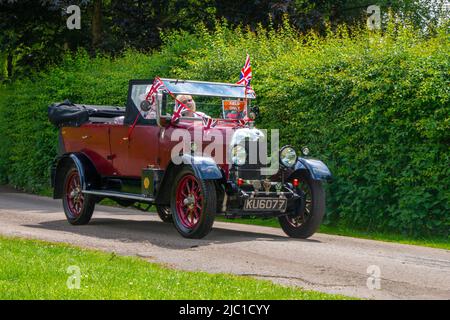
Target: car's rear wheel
78 207
164 213
306 219
193 204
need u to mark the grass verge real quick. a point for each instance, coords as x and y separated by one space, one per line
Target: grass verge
33 269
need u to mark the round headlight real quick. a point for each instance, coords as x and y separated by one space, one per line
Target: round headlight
238 155
288 156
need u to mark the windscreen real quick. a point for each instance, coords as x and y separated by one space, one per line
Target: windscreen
218 108
212 89
215 100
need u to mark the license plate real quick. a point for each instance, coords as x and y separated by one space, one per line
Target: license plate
265 204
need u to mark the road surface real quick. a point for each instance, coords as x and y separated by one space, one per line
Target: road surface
326 263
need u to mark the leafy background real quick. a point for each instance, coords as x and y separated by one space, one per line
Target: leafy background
374 106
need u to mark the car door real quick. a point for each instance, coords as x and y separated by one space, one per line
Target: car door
134 149
144 148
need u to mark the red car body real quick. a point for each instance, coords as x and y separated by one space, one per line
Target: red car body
117 153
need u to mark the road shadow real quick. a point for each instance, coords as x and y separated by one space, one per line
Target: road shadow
123 229
157 233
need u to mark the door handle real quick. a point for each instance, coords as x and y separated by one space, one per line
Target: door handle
124 139
85 137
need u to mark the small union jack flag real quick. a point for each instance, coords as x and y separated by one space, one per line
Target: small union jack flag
180 108
246 72
157 85
242 122
246 76
208 122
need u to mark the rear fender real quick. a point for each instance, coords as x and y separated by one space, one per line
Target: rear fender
89 178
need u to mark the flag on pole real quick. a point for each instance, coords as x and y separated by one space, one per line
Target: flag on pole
157 85
246 72
246 76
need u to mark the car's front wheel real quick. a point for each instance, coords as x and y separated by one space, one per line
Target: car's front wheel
306 219
193 204
78 207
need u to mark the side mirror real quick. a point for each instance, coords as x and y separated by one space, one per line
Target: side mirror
145 105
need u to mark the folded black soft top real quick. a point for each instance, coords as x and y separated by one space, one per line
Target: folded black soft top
70 114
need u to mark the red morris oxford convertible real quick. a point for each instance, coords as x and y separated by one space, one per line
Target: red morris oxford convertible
189 168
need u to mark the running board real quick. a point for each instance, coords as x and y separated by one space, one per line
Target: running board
116 194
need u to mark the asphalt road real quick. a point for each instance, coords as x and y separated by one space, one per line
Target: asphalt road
332 264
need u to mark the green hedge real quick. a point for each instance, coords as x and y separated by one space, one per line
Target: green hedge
374 107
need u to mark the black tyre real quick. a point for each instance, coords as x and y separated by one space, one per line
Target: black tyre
309 213
193 204
164 213
78 207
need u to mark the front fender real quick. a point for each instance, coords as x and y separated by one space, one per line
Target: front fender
204 167
316 168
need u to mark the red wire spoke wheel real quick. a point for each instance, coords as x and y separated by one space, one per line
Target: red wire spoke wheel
189 201
193 204
78 207
74 196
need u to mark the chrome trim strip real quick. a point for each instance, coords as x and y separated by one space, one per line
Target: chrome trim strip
118 195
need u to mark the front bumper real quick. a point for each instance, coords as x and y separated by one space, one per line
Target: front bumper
235 197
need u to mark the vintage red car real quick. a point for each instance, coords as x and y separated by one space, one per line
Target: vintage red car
191 168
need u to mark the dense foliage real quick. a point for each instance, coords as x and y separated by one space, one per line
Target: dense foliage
374 107
34 32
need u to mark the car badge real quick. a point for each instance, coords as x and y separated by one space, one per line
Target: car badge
146 182
279 186
257 185
267 184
